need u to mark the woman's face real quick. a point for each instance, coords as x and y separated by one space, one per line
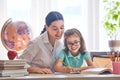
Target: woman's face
73 44
56 29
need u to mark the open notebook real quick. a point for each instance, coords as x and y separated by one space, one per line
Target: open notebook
92 71
97 71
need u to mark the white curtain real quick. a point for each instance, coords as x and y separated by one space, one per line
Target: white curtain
3 12
3 18
93 24
39 9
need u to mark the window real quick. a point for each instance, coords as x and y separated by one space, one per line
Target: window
19 10
75 15
81 14
103 37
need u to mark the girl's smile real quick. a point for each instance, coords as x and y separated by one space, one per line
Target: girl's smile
73 43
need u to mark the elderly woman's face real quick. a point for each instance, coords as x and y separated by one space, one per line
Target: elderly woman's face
56 29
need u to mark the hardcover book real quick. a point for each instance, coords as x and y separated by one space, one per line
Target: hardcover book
13 67
16 62
4 67
17 72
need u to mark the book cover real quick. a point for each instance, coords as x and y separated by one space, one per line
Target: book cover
11 67
13 71
13 74
13 62
16 72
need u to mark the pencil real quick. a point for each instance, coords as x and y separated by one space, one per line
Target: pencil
110 56
113 56
117 55
64 64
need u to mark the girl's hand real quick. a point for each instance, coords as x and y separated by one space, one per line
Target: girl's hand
77 69
67 69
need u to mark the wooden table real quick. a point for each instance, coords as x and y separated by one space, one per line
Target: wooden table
64 77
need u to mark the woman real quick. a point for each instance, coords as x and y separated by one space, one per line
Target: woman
41 52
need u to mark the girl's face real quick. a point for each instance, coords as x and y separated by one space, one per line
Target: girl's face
73 44
56 29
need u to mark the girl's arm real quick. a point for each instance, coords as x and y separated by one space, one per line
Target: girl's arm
89 65
60 68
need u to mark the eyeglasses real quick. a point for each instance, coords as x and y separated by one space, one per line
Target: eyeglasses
76 43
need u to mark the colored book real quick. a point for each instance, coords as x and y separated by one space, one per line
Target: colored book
11 67
17 62
17 72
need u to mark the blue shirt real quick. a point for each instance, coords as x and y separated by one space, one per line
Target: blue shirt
73 61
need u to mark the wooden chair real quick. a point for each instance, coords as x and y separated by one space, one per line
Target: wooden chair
101 59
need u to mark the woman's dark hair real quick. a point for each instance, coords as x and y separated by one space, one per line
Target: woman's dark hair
74 31
52 16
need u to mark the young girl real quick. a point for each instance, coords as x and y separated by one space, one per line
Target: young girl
73 56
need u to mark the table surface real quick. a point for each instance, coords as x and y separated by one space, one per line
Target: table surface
65 77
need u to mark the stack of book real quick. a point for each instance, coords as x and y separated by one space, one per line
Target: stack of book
13 67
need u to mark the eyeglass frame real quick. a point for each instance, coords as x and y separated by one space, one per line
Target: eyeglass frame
75 43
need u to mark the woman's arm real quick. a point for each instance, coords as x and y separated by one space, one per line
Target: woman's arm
60 68
38 70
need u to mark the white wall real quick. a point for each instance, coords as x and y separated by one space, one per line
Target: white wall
39 10
3 18
93 24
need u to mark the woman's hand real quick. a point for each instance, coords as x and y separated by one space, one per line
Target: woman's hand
39 70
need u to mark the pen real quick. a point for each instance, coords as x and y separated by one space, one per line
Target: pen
117 55
114 56
111 56
64 64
